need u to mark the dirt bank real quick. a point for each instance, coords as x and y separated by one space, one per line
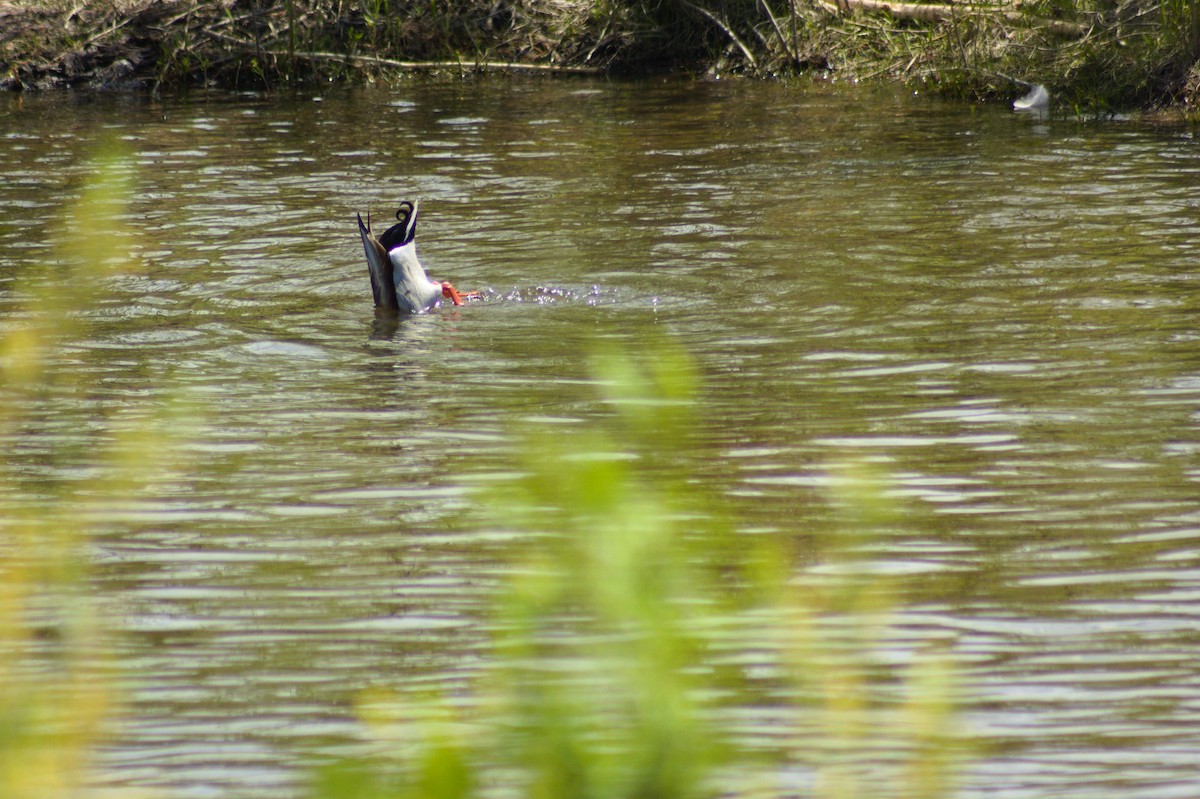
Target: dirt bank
240 43
43 47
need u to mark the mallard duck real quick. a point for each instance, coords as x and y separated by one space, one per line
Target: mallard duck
398 280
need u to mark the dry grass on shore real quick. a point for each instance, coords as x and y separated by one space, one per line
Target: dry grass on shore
1095 55
245 42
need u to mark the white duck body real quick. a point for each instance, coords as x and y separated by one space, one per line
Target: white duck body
415 292
398 280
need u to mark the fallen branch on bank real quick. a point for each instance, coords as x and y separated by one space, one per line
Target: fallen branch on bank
728 31
929 12
465 66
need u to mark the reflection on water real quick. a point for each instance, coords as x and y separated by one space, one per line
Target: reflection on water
999 310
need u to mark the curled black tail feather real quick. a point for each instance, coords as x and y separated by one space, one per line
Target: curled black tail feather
405 229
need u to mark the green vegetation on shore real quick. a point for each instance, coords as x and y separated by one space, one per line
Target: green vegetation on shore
1094 55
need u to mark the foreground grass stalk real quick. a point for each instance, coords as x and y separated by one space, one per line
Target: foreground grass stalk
56 680
631 634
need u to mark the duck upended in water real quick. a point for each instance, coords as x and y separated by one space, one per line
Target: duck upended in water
398 280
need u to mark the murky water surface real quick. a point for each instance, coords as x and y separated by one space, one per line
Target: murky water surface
1002 312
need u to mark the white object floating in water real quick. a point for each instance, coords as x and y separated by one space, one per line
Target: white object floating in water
1038 99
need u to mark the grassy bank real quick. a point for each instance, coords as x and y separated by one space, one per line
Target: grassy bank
1094 55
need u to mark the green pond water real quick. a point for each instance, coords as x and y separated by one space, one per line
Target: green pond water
999 311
